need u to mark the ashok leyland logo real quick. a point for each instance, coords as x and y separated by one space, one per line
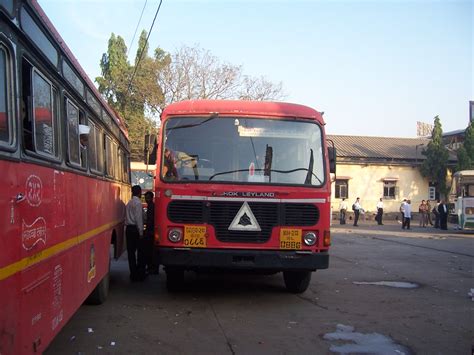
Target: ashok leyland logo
244 220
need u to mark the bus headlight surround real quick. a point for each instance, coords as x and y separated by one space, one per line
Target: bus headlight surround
175 235
310 238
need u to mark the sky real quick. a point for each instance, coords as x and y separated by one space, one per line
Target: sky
374 67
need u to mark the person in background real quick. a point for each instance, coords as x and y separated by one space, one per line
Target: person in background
379 215
356 207
342 211
436 213
443 215
402 211
428 214
422 210
406 215
134 234
149 234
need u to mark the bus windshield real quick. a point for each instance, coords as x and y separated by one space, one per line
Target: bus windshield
243 150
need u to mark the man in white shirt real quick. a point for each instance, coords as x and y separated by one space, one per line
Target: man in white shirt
356 207
406 215
134 234
379 216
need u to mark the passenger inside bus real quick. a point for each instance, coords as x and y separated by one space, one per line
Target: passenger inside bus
84 131
169 166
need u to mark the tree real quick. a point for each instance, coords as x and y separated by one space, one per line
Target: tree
194 73
466 151
435 165
139 92
130 98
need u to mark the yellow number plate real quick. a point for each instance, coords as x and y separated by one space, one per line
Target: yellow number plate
290 238
195 236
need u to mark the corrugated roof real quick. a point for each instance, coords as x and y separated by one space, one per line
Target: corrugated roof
379 147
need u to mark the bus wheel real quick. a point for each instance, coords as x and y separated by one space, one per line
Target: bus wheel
174 279
101 291
297 281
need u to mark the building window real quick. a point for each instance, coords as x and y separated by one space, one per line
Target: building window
389 189
342 188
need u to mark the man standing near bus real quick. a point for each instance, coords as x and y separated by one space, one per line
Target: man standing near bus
134 235
151 265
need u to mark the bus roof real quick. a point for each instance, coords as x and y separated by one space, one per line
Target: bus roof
242 108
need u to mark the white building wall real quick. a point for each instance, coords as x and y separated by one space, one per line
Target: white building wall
367 182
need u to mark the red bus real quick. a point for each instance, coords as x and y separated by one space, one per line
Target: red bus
243 185
61 204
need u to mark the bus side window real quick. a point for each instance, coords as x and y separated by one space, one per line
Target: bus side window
25 105
39 112
73 132
5 110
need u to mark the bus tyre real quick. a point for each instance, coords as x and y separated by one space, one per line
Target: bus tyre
297 281
174 279
101 291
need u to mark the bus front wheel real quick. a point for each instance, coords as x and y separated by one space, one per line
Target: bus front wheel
297 281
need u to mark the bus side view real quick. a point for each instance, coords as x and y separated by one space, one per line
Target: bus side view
243 185
462 195
64 181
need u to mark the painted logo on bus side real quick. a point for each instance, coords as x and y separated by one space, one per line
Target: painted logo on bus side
92 270
34 190
33 234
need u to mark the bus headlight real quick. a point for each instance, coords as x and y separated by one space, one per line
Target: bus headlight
310 238
175 235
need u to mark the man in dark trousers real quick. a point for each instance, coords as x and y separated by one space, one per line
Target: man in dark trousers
443 215
152 266
134 235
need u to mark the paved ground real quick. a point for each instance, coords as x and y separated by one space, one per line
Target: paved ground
244 314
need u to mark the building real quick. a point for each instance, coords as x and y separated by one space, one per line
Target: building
375 167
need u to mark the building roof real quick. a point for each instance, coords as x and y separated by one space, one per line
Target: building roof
379 148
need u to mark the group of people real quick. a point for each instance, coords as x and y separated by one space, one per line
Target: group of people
440 212
139 234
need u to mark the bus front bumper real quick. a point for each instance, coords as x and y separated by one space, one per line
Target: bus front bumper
264 260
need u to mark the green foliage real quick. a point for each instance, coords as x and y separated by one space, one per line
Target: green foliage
435 165
466 151
130 100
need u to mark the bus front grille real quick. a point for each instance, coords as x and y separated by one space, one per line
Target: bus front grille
220 214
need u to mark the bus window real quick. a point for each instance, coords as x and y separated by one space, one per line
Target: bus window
73 132
92 147
99 139
4 107
109 161
43 113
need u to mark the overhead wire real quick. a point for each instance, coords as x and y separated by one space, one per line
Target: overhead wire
136 29
143 49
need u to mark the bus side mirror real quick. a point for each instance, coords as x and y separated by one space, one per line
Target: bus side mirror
149 149
332 159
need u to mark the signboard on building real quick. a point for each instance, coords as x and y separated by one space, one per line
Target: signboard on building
423 129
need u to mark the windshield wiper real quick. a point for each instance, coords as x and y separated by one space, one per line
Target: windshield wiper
307 181
214 115
269 170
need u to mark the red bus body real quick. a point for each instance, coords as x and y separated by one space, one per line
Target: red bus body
58 218
204 210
